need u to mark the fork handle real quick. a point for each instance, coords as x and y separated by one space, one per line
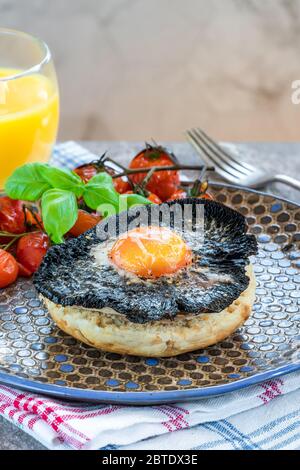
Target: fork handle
288 180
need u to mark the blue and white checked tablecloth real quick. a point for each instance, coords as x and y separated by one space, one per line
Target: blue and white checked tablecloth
70 155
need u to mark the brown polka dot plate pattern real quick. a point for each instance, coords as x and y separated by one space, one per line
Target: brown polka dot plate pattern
35 355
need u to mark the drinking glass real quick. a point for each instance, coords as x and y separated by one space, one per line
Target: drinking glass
29 101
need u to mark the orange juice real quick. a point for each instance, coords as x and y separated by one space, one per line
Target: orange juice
29 109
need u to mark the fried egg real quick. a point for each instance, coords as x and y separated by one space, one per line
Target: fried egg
151 252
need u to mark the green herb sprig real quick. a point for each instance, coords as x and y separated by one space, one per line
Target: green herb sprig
58 190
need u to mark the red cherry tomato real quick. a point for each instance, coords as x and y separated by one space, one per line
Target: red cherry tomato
154 198
121 186
86 172
23 272
8 269
31 249
181 194
161 183
12 218
178 194
205 195
84 222
33 219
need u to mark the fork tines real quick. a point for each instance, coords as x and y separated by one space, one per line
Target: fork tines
226 164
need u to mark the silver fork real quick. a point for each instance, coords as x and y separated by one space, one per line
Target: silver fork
229 167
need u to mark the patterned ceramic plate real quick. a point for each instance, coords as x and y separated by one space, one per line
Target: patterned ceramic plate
35 355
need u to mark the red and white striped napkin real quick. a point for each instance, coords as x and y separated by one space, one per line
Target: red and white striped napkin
226 421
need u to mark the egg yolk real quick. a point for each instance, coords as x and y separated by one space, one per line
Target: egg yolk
150 252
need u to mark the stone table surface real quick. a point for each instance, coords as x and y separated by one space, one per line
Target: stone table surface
273 157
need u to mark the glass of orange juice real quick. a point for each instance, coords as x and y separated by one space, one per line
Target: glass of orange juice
29 101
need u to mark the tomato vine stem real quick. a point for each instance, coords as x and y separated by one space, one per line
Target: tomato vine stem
132 171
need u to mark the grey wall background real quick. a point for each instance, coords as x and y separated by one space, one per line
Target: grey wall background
135 69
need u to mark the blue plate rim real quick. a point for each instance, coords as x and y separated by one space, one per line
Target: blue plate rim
142 398
155 397
255 191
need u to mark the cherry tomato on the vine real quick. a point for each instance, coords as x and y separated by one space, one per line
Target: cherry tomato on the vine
86 172
181 194
151 196
121 186
161 183
178 194
33 218
205 195
31 249
12 218
154 198
8 269
84 222
23 272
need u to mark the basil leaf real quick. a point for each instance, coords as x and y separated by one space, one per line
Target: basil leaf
59 213
61 178
101 178
27 182
130 200
96 195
